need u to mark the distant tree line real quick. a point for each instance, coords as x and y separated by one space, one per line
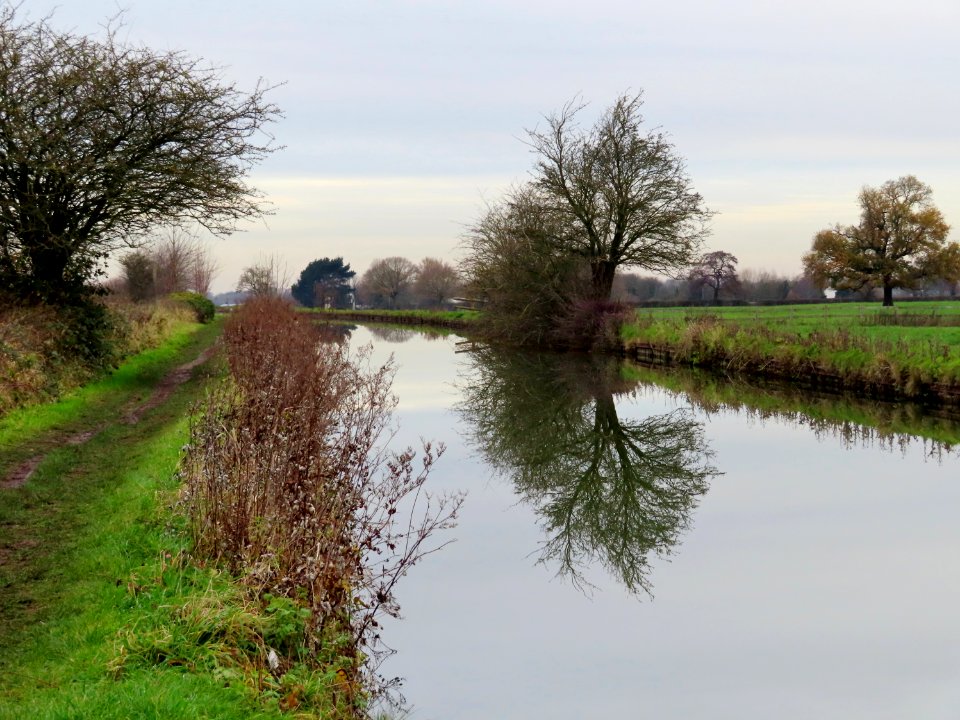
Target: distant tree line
396 282
748 286
389 283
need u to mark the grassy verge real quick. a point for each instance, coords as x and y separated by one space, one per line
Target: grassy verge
86 552
457 319
911 352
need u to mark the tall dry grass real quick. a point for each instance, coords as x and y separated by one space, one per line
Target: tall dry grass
289 482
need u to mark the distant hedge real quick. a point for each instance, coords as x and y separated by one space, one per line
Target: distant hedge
202 306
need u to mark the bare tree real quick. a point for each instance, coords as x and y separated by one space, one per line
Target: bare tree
386 280
269 277
102 142
716 270
624 195
437 281
174 257
176 262
204 270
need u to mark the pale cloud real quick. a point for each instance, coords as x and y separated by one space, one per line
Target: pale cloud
402 117
358 218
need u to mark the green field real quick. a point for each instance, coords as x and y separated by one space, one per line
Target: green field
869 319
906 349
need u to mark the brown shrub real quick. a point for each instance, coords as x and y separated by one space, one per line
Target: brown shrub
288 480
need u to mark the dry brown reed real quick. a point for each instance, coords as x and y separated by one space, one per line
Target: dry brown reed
288 480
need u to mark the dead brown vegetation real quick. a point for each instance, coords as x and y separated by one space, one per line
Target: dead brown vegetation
289 483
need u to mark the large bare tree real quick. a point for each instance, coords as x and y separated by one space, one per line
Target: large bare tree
716 270
437 281
173 258
387 279
624 193
900 240
101 142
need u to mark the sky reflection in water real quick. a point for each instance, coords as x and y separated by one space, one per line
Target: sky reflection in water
817 578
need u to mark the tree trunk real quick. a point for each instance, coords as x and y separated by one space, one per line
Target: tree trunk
48 266
602 272
887 295
716 294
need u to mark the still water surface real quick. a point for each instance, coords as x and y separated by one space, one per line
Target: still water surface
623 552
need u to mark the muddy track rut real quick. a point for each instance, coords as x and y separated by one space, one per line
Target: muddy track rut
130 415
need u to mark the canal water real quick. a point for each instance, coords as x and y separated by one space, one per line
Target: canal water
672 549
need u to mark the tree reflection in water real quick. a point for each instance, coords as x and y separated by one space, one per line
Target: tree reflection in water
391 334
334 332
606 489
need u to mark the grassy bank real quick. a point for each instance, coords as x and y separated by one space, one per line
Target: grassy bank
88 555
40 426
222 566
46 352
907 352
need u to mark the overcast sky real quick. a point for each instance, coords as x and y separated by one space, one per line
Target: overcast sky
403 118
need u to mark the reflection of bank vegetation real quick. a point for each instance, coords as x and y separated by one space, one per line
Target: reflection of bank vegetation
335 331
855 421
606 489
397 334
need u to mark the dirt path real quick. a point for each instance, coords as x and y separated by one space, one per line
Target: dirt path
164 389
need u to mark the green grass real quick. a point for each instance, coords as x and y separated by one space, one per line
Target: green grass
103 613
906 348
88 526
82 534
860 318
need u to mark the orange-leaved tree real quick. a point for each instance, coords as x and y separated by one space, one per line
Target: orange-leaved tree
900 240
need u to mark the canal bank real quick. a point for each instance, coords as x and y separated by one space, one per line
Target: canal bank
887 354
